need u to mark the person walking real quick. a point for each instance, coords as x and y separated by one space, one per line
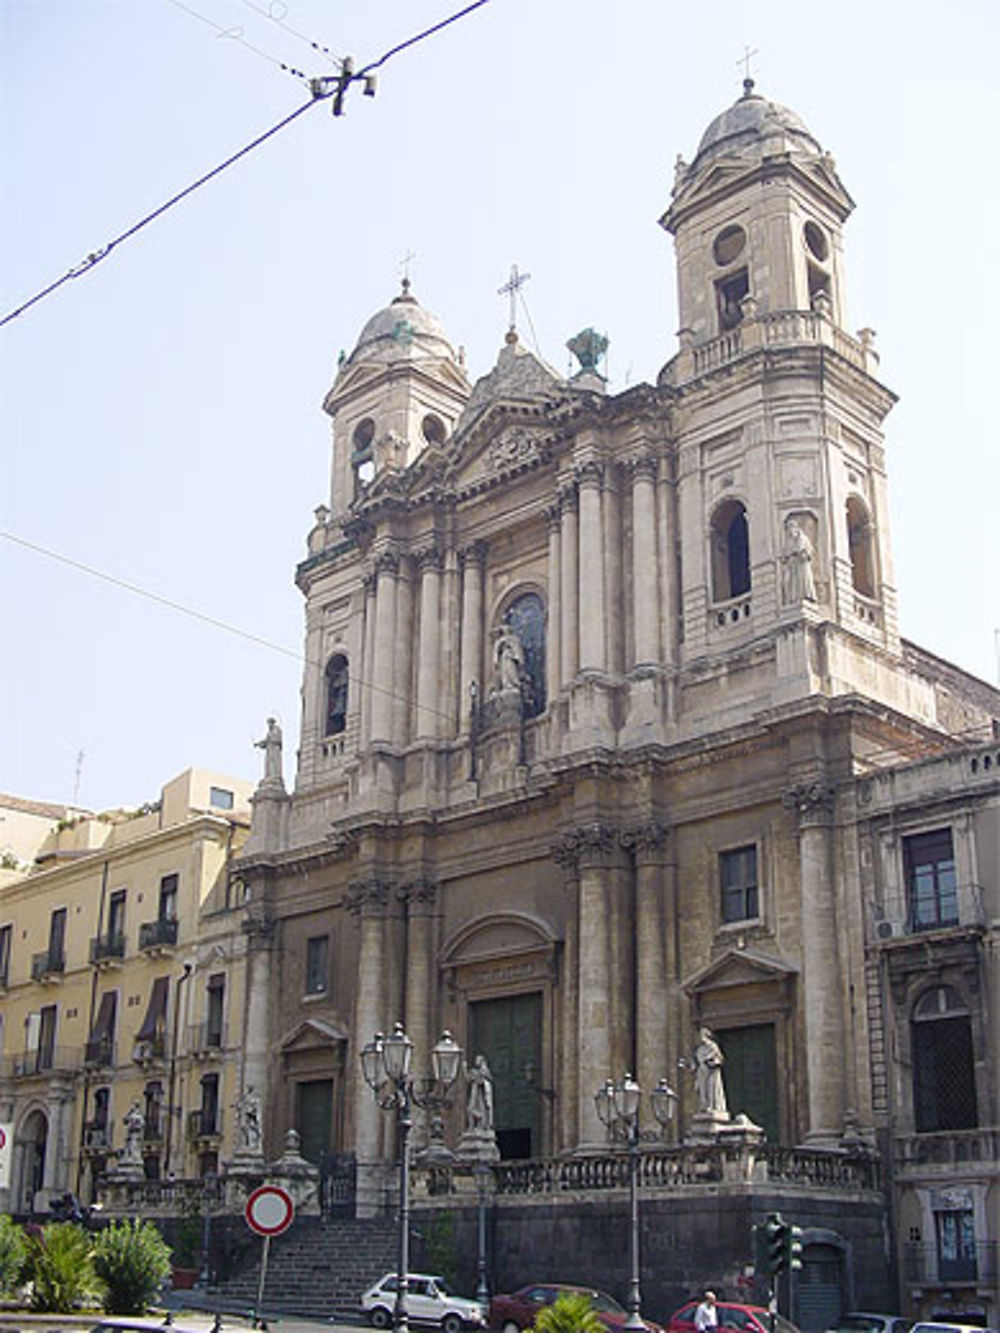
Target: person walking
706 1317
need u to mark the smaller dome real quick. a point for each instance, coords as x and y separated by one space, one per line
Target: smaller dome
403 322
751 117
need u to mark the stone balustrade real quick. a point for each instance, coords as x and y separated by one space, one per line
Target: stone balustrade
945 1150
778 329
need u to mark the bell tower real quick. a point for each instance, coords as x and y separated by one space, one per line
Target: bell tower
783 519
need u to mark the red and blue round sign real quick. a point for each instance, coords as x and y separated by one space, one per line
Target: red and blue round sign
269 1210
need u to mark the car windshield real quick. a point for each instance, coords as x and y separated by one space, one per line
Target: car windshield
862 1323
604 1303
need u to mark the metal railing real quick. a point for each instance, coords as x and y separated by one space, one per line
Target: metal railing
107 948
204 1037
100 1051
158 934
204 1123
45 1060
48 963
926 1264
97 1136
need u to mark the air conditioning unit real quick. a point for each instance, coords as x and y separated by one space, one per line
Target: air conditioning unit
886 929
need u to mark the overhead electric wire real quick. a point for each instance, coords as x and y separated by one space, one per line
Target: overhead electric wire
269 14
173 605
322 89
235 34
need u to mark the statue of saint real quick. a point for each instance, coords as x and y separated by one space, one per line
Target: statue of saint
708 1084
800 583
248 1120
134 1122
271 745
479 1099
508 659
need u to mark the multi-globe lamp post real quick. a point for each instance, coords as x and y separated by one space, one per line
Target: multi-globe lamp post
618 1108
385 1063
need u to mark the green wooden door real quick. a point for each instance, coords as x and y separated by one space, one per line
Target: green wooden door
314 1117
751 1075
509 1033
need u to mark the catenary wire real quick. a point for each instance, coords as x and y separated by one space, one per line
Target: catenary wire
180 607
272 17
235 34
337 87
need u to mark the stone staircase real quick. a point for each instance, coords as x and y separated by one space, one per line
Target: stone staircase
319 1271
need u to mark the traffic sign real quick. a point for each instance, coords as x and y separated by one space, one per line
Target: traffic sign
269 1210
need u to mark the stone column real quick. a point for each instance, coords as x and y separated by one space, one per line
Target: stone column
473 559
569 589
553 612
594 847
654 1058
383 673
645 563
402 657
419 896
614 602
670 591
448 698
368 901
259 929
821 1010
429 661
367 660
593 652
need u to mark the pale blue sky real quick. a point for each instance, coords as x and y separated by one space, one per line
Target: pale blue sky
161 414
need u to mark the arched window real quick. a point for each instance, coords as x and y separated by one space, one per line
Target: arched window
526 617
362 453
944 1088
730 551
859 543
336 694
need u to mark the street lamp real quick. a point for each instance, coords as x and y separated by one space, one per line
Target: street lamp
483 1175
618 1108
385 1063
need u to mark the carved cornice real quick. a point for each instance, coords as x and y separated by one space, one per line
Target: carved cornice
811 801
367 897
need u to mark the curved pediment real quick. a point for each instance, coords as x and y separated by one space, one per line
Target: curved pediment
496 936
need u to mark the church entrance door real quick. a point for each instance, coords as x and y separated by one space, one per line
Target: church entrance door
751 1075
509 1033
314 1117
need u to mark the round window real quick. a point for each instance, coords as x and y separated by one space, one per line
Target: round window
728 245
433 429
816 240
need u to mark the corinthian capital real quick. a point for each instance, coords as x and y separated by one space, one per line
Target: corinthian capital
590 473
367 897
811 801
588 844
647 840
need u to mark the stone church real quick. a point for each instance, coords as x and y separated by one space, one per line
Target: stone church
593 686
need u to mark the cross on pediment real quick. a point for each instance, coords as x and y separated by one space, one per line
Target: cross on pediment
511 288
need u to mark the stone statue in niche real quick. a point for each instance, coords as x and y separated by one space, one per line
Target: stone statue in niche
508 660
797 561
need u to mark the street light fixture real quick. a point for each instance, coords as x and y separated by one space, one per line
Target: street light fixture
385 1063
618 1108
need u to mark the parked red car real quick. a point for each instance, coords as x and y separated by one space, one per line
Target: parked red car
746 1318
511 1314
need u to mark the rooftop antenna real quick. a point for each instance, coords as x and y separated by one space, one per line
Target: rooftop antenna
76 778
511 288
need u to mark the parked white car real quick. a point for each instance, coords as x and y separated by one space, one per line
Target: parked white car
428 1301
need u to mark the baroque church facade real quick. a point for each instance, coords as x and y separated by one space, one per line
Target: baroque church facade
603 715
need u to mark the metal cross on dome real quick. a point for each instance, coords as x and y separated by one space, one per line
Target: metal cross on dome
511 289
745 59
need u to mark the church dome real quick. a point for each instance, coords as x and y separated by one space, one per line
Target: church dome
751 118
404 326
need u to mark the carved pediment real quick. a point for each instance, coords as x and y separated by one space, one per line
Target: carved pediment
311 1035
497 936
518 377
739 967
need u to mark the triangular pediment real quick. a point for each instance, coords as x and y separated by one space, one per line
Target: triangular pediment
519 377
739 967
312 1034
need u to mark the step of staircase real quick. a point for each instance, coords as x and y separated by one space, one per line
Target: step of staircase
318 1271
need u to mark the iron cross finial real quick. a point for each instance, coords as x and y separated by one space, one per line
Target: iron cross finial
404 264
744 60
511 289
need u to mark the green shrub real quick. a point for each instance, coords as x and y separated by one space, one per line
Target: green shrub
571 1312
13 1255
132 1260
61 1269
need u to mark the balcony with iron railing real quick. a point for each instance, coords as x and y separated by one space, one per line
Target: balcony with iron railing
99 1052
150 1050
107 949
154 1127
44 1061
206 1039
926 1265
97 1136
158 934
205 1123
49 965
